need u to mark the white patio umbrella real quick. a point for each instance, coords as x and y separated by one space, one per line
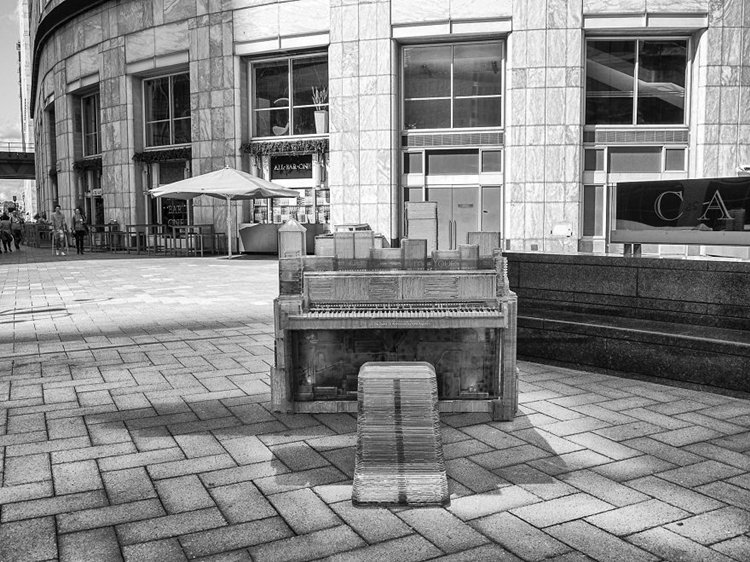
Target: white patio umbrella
227 183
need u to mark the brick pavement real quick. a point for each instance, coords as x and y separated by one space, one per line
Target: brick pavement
134 424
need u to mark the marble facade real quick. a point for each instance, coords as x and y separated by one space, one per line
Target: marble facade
116 44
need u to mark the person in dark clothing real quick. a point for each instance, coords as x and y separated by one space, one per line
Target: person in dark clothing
79 229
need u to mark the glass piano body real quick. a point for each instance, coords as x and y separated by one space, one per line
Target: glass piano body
333 315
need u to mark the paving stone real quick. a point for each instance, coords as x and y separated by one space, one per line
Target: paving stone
603 488
74 477
495 501
233 537
604 446
637 517
296 480
699 473
53 506
25 423
671 546
663 451
736 548
170 526
727 493
304 511
493 437
548 441
66 428
713 526
25 469
577 460
486 553
711 422
166 550
242 502
509 457
464 448
22 492
46 446
128 485
243 473
94 546
199 445
559 510
553 410
519 537
190 466
332 493
442 529
635 467
314 545
535 481
726 456
109 515
140 459
298 456
109 433
598 544
29 540
629 430
247 450
473 476
184 493
674 494
373 524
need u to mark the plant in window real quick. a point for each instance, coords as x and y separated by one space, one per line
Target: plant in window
320 97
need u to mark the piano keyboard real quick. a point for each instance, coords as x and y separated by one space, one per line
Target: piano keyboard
409 314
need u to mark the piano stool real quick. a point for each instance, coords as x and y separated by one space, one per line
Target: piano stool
399 457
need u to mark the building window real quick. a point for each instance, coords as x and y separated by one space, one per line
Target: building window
90 124
453 86
636 82
593 210
167 110
283 101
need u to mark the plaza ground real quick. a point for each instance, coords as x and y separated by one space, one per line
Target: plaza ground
135 424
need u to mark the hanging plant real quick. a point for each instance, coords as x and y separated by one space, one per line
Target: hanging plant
302 146
88 164
184 153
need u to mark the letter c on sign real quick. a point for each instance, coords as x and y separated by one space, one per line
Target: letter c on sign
657 205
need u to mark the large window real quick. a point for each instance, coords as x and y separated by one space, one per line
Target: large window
90 124
167 110
453 86
636 81
286 94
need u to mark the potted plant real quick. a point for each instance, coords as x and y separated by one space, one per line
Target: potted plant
320 99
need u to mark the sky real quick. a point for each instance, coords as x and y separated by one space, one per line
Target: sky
10 105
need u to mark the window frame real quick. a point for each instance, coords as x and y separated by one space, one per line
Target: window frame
637 38
171 118
85 133
289 59
452 44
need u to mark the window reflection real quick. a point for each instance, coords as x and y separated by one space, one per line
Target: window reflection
615 96
452 86
276 112
167 110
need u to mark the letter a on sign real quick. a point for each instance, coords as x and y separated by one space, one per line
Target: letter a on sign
716 202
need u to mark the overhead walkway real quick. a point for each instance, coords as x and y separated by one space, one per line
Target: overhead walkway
17 161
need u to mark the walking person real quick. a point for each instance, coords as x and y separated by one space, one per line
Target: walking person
5 232
16 226
59 231
79 229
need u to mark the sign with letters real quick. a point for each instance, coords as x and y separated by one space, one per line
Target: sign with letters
710 211
297 166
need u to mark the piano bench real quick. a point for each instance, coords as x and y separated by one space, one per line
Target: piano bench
399 458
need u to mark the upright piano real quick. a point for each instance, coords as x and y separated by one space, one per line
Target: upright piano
333 315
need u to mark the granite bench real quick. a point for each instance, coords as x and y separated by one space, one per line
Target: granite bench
678 320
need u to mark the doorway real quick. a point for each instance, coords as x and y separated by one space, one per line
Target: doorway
465 208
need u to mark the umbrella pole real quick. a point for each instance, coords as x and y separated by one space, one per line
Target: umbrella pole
229 228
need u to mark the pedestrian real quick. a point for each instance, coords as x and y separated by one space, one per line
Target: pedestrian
16 225
5 232
79 229
59 231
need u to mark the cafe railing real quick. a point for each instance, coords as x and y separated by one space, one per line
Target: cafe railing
194 239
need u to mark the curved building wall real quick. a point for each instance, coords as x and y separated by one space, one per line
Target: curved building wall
543 174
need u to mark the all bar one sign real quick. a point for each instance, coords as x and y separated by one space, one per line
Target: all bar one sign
691 211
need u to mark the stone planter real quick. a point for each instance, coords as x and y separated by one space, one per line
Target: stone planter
321 121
